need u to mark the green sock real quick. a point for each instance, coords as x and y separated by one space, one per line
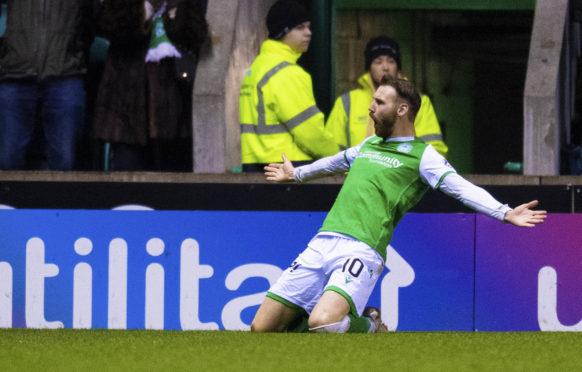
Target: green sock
358 324
299 325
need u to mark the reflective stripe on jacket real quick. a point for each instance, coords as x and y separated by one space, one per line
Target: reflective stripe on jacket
349 122
278 111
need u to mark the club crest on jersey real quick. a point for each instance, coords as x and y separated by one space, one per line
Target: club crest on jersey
405 148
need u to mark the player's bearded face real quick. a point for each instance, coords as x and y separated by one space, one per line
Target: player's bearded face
383 111
384 123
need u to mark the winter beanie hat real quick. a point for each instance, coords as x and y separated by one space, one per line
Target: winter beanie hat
283 16
381 46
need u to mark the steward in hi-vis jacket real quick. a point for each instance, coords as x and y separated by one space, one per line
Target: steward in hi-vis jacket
349 122
277 107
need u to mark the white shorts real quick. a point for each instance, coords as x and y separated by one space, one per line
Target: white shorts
331 262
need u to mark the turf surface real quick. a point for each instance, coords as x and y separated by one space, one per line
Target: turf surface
109 350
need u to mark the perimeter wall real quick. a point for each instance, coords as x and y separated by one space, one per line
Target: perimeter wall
205 256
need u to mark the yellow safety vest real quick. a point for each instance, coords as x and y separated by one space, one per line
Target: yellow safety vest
278 111
349 122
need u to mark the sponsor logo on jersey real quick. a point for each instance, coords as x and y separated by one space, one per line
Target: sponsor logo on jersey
378 158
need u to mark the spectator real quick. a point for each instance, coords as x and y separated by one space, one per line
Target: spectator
277 107
144 99
42 64
349 122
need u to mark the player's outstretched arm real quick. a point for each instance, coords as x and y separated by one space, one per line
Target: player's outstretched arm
524 216
280 172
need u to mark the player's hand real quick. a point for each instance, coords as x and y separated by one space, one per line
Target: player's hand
280 172
523 216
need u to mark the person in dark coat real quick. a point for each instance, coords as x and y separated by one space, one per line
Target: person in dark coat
43 61
144 99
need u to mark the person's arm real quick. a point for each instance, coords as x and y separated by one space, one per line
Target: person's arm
297 111
481 201
338 163
436 171
311 138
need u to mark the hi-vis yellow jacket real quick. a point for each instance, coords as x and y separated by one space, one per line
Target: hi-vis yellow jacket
349 122
278 111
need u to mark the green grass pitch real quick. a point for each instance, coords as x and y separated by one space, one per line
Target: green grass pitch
140 350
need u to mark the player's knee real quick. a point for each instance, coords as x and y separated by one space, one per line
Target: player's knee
320 319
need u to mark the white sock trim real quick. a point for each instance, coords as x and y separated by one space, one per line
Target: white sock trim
372 328
338 327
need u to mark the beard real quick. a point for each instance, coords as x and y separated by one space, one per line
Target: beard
385 126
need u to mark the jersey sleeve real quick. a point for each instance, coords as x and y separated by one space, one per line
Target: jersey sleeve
338 163
473 196
434 167
440 175
352 152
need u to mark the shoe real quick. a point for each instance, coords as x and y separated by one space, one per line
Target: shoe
373 313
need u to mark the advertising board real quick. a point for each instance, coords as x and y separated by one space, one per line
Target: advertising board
207 270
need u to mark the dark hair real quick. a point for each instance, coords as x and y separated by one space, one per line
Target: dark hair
405 91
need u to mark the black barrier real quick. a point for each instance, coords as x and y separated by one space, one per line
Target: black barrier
259 197
577 196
